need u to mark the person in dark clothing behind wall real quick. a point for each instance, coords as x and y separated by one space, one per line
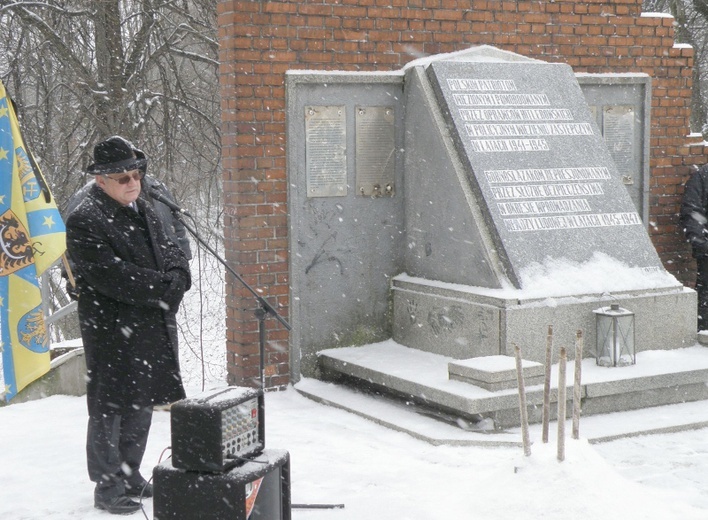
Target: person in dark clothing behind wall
131 280
694 219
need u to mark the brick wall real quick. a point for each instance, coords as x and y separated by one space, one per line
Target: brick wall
260 40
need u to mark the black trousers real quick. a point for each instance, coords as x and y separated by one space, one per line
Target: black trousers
115 445
702 290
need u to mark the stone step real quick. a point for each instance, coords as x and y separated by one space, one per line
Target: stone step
595 429
660 377
495 373
399 416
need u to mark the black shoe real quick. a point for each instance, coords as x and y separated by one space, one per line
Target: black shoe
144 489
120 505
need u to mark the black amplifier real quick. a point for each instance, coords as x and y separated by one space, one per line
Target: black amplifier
218 429
256 490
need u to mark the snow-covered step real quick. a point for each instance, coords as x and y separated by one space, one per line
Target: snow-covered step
659 378
596 428
397 416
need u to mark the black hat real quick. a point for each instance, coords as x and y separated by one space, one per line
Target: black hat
116 155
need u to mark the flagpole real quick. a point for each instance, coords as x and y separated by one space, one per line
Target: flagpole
67 267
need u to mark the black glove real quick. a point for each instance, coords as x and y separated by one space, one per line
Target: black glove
176 281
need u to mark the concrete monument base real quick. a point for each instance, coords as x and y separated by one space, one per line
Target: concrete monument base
453 350
466 322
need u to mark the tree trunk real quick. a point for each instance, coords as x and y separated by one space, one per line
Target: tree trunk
109 61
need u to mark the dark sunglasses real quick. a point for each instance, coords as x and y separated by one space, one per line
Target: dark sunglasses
125 179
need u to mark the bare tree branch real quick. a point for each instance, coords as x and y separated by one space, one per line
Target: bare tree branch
145 69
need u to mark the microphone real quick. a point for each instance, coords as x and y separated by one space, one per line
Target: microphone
155 194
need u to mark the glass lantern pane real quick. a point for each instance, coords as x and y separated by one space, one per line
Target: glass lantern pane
625 332
605 341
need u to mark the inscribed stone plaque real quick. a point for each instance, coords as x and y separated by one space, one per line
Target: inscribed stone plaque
326 151
375 151
533 153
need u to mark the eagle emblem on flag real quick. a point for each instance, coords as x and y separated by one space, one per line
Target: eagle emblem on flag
15 247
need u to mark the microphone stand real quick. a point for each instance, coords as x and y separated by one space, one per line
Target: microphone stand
264 308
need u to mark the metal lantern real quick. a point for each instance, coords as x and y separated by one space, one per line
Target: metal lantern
615 336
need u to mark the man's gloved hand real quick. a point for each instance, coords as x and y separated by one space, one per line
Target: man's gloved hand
177 285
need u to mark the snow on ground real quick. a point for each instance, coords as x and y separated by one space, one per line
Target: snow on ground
340 458
375 472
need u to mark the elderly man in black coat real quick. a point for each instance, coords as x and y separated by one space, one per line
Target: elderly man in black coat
131 280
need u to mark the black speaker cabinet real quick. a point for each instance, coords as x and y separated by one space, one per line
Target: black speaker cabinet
217 429
257 490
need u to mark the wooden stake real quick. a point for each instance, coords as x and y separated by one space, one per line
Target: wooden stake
547 386
69 272
522 403
561 405
576 383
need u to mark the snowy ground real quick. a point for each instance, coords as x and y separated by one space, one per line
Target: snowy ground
376 473
339 458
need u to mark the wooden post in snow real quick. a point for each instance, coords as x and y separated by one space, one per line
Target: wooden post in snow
576 383
547 386
522 403
561 405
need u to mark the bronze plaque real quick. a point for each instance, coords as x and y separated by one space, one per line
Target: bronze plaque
326 151
375 151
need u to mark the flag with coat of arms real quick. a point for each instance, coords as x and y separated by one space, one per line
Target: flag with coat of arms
32 238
